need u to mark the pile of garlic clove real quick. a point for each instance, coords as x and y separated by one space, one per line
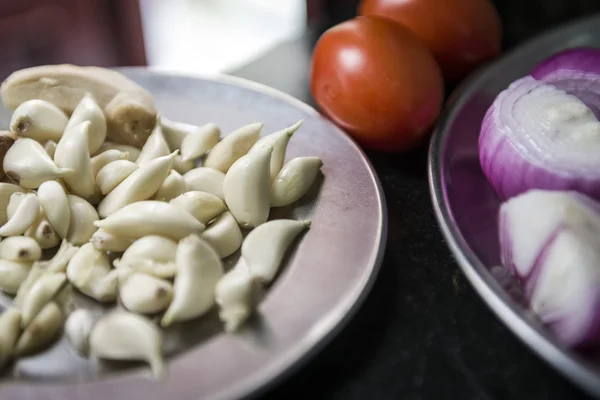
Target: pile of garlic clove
145 229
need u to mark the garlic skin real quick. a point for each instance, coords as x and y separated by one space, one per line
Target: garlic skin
279 141
72 152
20 249
140 185
155 147
146 218
144 294
6 191
224 235
205 180
264 247
199 269
183 166
108 156
12 275
10 322
106 241
201 205
42 291
232 147
113 173
39 120
172 187
236 294
28 164
89 110
78 328
153 255
24 216
247 188
90 272
124 335
83 218
199 141
50 147
41 331
53 199
132 152
294 180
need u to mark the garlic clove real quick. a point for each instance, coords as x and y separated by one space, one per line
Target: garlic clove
39 120
132 152
90 272
247 188
89 110
232 147
78 328
294 180
12 275
20 249
28 164
199 141
124 335
142 184
224 235
199 269
24 216
155 147
236 294
43 233
38 269
59 262
7 139
153 255
113 173
83 217
50 147
144 294
145 218
106 241
53 199
108 156
183 166
202 205
6 191
41 331
205 180
13 203
174 132
279 141
172 187
42 291
72 152
264 247
10 322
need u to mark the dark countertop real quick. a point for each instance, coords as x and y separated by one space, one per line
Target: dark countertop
422 333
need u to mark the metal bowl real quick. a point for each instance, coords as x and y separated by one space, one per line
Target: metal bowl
466 206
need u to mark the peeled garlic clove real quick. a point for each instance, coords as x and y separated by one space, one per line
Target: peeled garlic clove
106 241
10 322
72 152
154 255
59 262
12 275
279 141
236 294
44 234
264 247
24 216
6 192
89 110
50 147
13 203
183 166
294 180
39 120
174 132
232 147
199 141
199 269
90 272
126 336
145 294
205 180
41 331
224 235
78 328
132 152
146 218
53 199
247 188
38 269
28 164
83 217
202 205
172 187
100 161
113 173
155 147
41 292
20 248
142 184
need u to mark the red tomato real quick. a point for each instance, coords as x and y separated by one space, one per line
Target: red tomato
377 81
460 33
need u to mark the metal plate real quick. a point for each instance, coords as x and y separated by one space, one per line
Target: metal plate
466 206
324 279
